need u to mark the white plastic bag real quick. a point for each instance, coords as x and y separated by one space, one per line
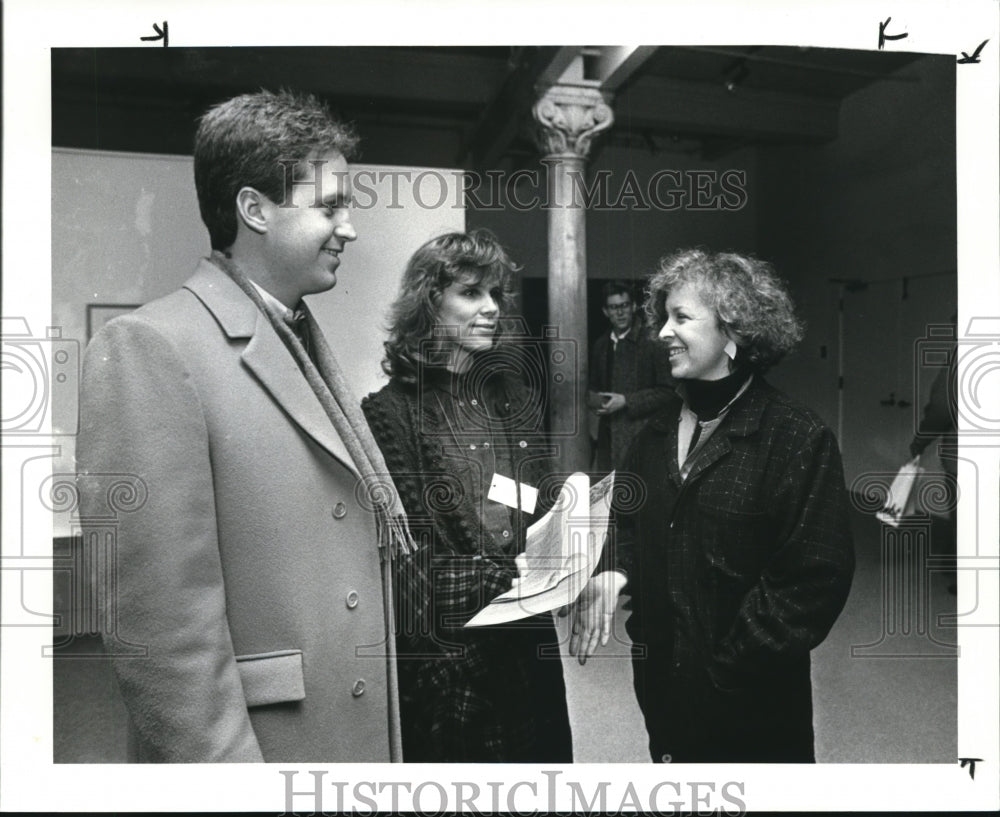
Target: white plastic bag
902 499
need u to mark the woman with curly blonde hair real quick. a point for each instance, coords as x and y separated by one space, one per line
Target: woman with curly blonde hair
740 558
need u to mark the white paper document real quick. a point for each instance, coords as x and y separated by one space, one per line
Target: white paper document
504 489
561 552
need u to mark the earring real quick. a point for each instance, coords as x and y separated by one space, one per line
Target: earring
730 349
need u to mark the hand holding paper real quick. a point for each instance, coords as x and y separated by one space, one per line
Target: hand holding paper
561 552
901 500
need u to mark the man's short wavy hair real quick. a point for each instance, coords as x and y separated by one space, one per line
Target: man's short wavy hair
241 143
746 294
431 269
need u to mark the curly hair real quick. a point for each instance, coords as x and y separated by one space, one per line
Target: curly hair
432 268
746 294
244 141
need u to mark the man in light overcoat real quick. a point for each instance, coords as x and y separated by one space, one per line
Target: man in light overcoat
247 599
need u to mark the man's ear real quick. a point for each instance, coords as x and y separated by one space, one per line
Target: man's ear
251 209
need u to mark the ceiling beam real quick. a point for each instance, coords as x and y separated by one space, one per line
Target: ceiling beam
502 118
565 66
617 63
439 79
600 67
604 67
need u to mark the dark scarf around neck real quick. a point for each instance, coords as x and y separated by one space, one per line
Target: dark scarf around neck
706 398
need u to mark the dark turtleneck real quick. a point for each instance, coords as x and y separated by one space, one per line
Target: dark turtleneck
489 390
706 398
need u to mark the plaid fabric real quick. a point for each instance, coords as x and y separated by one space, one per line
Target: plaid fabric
640 369
491 694
736 574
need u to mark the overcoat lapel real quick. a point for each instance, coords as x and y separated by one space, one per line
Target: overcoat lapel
266 357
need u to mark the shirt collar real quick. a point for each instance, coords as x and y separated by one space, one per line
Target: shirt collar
272 303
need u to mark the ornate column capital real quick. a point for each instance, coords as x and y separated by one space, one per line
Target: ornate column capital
568 118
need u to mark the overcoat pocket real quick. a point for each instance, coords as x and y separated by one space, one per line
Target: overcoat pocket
272 677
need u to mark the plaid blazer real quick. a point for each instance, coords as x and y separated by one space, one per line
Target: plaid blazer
492 694
736 574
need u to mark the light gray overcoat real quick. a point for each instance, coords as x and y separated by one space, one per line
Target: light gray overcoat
249 569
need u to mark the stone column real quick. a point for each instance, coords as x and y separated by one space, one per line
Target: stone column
568 118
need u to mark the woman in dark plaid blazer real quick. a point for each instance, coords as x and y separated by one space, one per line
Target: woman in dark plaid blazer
456 414
739 556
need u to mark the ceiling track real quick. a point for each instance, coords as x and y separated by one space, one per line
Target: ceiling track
805 66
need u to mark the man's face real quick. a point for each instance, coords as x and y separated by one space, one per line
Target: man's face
619 310
305 238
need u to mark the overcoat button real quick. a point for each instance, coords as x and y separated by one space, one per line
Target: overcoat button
666 758
472 446
352 600
506 534
523 444
339 510
474 402
359 688
486 445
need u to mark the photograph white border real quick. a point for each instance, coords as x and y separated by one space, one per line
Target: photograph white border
31 782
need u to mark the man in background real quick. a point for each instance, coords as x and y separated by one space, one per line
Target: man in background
629 377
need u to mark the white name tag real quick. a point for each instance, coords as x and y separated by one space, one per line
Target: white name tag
504 489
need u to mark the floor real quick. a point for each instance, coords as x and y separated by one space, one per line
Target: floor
884 680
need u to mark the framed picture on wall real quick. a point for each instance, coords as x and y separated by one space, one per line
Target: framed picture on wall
100 314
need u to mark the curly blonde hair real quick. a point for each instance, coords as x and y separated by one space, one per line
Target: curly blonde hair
746 294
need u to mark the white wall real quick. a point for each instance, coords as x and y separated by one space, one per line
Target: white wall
353 313
126 230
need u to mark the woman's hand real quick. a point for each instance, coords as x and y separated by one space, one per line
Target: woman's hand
593 613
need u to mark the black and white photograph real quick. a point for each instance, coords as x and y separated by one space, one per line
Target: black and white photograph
450 419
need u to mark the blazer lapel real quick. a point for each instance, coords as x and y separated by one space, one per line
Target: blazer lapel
716 447
266 357
743 419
